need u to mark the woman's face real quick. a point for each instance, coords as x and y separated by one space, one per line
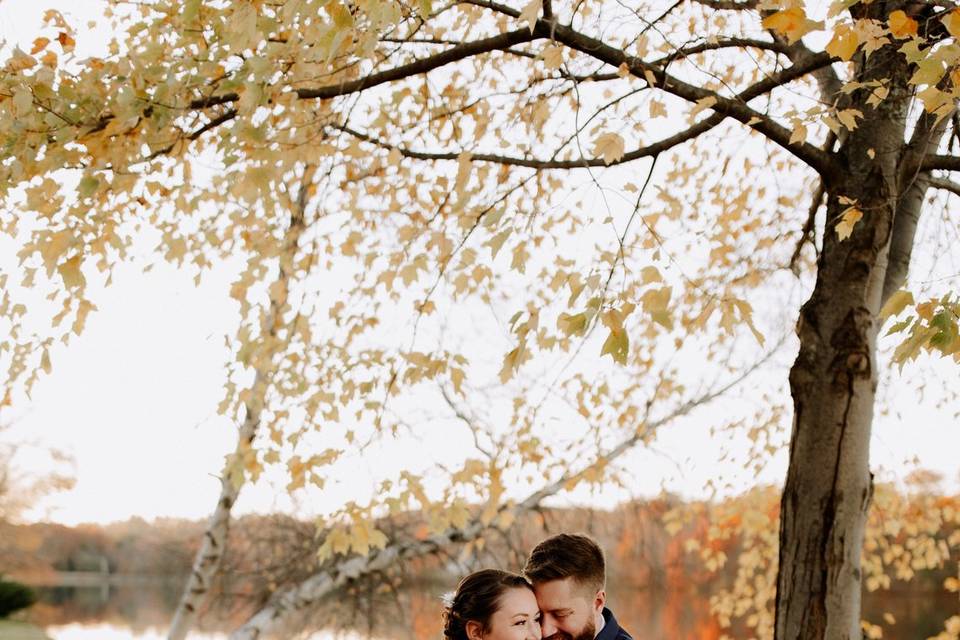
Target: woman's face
517 617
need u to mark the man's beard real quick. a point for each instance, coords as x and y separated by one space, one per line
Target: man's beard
587 633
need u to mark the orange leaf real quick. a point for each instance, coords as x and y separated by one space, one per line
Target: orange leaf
39 45
901 25
792 23
844 43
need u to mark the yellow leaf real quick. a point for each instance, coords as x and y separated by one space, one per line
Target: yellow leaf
650 274
952 22
463 173
623 70
530 12
617 345
552 56
850 218
792 23
848 117
657 109
896 303
844 42
901 25
799 133
71 274
702 104
572 324
609 146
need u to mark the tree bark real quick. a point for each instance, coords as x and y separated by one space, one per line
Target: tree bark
834 378
207 562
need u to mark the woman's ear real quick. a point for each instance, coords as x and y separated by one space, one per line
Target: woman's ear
474 630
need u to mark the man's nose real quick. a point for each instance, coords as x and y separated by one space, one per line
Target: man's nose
547 627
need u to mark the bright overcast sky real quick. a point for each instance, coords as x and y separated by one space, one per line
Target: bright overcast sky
134 399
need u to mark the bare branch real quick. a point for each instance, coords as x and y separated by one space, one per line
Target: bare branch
946 163
944 184
722 43
729 5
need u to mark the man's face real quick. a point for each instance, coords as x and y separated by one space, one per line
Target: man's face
568 609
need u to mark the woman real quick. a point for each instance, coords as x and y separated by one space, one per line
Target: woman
492 605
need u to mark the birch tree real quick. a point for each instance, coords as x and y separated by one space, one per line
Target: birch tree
629 179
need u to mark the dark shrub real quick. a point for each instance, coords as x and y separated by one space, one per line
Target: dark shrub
14 596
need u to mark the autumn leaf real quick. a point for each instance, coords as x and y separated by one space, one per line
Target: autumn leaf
901 25
848 117
552 56
952 22
71 274
844 42
799 132
896 303
850 218
702 105
39 45
530 13
792 23
609 146
572 324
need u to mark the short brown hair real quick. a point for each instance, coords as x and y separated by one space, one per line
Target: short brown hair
567 555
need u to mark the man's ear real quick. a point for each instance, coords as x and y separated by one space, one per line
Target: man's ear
474 630
599 600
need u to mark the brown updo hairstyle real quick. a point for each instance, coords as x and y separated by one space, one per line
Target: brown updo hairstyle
476 599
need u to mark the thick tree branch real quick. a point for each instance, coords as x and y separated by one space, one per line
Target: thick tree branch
925 140
816 158
729 5
754 91
459 52
944 184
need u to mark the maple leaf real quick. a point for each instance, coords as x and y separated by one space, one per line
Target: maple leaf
844 42
901 25
792 23
952 22
530 13
609 146
849 219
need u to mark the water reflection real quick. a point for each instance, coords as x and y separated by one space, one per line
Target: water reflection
142 613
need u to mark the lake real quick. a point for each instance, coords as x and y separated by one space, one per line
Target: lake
143 613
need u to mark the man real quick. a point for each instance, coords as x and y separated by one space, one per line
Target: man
569 576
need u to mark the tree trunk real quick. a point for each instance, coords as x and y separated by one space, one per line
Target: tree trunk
206 564
833 381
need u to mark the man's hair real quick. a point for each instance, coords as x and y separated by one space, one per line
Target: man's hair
567 555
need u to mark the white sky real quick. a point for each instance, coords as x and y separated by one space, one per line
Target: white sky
134 400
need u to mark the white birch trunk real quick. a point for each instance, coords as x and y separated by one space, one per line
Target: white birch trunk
207 562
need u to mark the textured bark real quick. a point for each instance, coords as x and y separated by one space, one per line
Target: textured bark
833 381
207 562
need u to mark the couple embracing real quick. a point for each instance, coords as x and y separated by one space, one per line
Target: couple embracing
560 596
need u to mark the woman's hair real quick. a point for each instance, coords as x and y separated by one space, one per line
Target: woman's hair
476 599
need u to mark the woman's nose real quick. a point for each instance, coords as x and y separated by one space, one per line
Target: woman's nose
533 630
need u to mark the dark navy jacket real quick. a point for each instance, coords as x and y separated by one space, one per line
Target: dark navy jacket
611 628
